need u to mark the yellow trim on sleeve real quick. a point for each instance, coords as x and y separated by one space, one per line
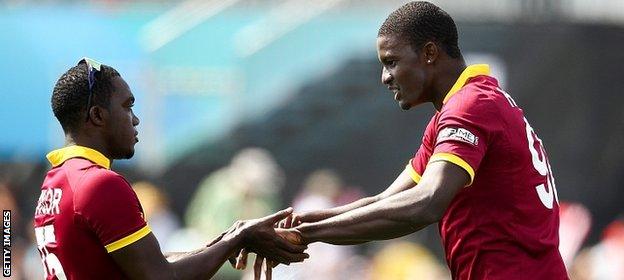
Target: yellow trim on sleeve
456 160
412 173
57 157
114 246
469 72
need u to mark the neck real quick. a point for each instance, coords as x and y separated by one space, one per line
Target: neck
448 76
88 141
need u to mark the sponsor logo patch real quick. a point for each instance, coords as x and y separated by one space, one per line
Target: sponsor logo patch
459 134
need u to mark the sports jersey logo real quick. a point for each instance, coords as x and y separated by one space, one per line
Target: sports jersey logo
456 133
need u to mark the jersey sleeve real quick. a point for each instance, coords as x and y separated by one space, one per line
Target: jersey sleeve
110 208
416 165
465 126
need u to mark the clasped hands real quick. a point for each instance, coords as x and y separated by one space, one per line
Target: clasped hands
273 238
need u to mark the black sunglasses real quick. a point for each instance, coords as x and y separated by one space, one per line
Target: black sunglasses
92 66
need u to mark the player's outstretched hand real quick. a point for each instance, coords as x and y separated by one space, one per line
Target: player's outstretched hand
285 231
260 236
291 234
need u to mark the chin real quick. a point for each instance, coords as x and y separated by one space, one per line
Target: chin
130 154
404 105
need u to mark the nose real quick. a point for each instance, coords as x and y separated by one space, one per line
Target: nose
386 78
135 120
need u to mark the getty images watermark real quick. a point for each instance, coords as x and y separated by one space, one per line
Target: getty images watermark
6 243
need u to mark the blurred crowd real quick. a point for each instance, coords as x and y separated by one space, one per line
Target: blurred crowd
250 187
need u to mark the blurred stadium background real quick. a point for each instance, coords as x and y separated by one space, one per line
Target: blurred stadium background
247 106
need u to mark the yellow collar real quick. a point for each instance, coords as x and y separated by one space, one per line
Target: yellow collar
470 71
57 157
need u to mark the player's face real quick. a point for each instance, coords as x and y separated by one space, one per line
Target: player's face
121 127
403 70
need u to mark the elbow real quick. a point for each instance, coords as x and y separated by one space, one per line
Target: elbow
428 213
425 218
435 211
433 216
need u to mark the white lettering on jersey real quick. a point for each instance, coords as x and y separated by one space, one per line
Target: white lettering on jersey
49 202
51 263
546 192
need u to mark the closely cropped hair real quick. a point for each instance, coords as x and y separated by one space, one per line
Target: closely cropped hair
71 92
420 22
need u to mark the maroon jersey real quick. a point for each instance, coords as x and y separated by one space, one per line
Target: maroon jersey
85 211
504 224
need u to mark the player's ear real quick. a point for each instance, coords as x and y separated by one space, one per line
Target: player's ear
98 115
430 52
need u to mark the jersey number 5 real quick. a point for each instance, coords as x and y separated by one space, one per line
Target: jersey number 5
51 264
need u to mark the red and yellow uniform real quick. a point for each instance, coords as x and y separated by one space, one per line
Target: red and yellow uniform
504 224
85 212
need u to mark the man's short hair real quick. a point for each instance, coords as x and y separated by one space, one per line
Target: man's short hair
71 93
420 22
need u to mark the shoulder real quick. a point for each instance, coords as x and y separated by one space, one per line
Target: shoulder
478 101
99 183
478 94
99 177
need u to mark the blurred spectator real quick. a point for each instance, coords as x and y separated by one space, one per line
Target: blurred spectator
32 265
605 260
157 213
402 260
18 246
164 224
245 189
8 202
321 190
574 225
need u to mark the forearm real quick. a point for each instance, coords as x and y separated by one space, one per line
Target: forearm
351 206
256 235
143 259
394 216
401 183
174 256
202 263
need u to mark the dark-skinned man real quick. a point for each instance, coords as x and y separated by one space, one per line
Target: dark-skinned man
481 172
89 223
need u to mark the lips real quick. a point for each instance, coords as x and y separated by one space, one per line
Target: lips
396 92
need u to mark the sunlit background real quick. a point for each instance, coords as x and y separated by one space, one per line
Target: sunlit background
248 106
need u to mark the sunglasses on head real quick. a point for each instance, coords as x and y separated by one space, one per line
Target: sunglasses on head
92 67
